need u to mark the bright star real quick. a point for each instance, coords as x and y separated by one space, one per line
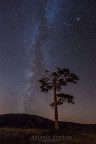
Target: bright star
78 19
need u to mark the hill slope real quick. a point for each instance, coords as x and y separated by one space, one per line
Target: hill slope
24 121
33 121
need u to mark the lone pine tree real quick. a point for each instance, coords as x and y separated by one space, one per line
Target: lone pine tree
55 81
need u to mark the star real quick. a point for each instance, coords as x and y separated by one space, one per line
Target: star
78 19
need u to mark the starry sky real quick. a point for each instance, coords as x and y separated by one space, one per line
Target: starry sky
45 34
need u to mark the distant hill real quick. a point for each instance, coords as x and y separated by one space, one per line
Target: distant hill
25 121
34 121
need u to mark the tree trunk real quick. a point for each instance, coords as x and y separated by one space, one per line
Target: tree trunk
55 107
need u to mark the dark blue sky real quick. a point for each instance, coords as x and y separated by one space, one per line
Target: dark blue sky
45 34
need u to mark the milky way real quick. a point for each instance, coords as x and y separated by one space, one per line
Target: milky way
45 34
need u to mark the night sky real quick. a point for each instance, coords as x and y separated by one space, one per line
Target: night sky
45 34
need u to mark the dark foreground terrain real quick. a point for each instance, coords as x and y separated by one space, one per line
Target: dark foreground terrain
32 129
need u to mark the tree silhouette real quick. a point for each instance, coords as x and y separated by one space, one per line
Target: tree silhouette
55 81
